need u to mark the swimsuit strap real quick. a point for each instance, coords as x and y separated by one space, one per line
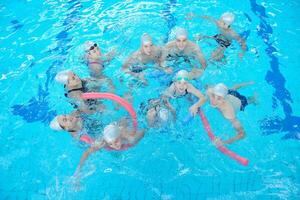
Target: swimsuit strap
186 92
77 133
222 40
181 95
137 68
82 88
75 89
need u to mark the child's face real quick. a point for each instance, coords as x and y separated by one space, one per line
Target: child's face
181 85
117 144
214 99
181 42
223 25
73 80
218 99
147 48
94 51
68 122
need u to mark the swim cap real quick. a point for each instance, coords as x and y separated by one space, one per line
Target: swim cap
220 90
88 44
146 38
163 114
181 75
62 77
54 124
227 17
111 132
179 32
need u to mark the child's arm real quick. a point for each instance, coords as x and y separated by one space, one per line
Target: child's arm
240 130
200 102
86 154
166 95
209 18
244 84
241 41
109 56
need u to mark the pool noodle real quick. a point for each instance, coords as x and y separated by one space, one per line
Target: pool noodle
221 148
87 139
93 95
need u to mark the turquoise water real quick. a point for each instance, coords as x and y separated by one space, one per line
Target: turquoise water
39 39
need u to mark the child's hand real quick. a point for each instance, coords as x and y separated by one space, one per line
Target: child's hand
218 142
194 110
75 179
113 53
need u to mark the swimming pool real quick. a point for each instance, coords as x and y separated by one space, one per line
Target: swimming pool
38 39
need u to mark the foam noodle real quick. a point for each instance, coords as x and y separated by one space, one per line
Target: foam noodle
87 139
221 148
97 95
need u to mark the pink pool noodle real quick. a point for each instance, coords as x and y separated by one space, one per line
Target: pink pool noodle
95 95
87 139
221 148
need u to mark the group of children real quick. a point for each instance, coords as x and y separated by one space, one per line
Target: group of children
119 135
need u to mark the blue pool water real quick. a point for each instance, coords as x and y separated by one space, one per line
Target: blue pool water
40 38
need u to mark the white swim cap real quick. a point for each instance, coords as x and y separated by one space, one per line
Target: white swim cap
146 38
55 125
227 17
111 132
220 90
62 77
182 75
88 44
163 114
179 32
